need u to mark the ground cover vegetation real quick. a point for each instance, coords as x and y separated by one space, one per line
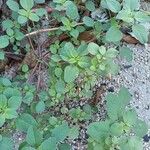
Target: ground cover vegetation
77 52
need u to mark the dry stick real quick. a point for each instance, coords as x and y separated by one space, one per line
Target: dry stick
47 30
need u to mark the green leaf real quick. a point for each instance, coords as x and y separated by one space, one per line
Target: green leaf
34 137
24 122
60 86
13 5
98 130
140 128
112 5
140 33
71 10
10 113
141 17
126 15
131 4
2 120
113 34
60 132
84 62
126 53
39 1
25 68
14 102
3 101
40 107
90 5
74 33
88 21
116 129
34 17
4 41
28 98
130 117
22 19
73 133
70 73
7 24
28 148
48 143
41 12
134 143
6 144
6 82
27 4
64 146
93 48
111 53
2 55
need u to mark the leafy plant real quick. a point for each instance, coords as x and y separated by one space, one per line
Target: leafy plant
114 132
10 101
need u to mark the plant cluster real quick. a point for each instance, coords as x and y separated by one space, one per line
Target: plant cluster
115 131
74 67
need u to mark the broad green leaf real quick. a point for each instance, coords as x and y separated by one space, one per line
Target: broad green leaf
6 82
64 146
141 17
60 132
93 48
98 130
13 5
74 33
140 128
90 5
3 101
40 107
126 53
6 144
28 148
41 12
23 12
111 53
131 4
2 55
28 98
134 143
49 143
113 34
4 41
34 137
84 62
130 117
73 133
126 15
116 129
27 4
124 96
14 102
24 122
10 113
34 17
112 5
7 24
140 33
71 10
22 19
88 21
2 120
60 86
70 73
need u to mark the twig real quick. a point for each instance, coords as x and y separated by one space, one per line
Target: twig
47 30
